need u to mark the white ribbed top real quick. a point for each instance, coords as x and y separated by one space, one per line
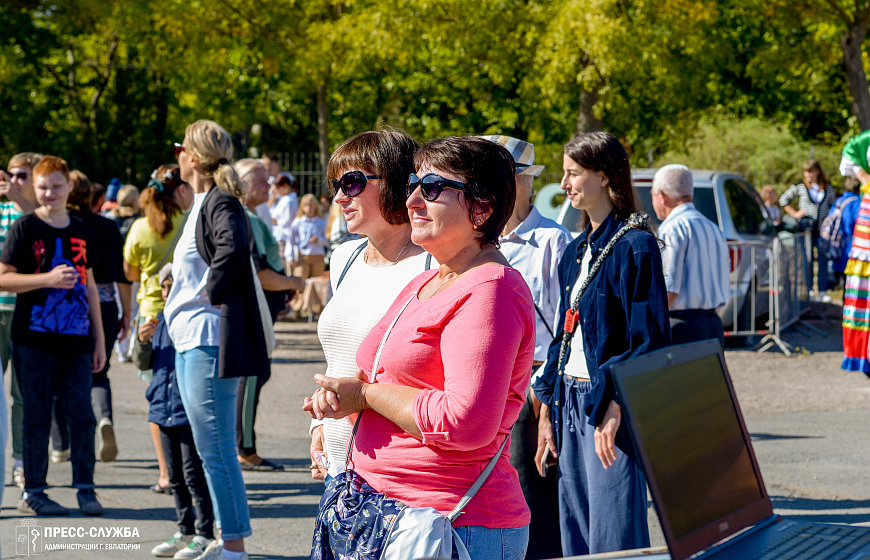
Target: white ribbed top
364 296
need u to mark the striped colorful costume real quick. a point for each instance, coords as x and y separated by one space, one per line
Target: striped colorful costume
856 308
856 305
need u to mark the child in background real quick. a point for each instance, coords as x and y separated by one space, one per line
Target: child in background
307 245
186 476
57 334
283 207
308 236
771 203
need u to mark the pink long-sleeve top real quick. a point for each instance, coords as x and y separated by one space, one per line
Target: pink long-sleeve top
470 349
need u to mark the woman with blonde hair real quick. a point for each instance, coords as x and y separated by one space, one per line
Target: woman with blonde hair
215 323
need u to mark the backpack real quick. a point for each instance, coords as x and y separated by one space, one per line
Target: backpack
832 238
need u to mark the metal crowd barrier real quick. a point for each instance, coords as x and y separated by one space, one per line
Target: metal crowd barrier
778 275
750 288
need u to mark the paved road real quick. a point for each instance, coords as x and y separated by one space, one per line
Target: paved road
808 419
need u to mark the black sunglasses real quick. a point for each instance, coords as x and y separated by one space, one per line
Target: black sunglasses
21 175
352 183
431 185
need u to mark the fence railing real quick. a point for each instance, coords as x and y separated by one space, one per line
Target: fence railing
750 288
776 275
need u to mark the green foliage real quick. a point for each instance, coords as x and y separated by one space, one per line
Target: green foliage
110 84
762 152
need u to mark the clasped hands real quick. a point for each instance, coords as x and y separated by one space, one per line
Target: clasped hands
338 397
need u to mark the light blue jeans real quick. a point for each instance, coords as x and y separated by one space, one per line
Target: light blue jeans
494 544
210 403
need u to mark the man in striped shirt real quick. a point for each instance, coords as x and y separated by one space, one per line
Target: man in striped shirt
16 199
695 258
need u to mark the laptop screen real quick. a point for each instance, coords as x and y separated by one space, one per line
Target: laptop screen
689 427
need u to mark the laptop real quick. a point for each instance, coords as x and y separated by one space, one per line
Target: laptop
690 437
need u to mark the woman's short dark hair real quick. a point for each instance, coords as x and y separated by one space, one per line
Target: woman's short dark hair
488 170
387 152
602 151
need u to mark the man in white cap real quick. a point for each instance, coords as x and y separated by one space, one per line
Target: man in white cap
695 257
533 245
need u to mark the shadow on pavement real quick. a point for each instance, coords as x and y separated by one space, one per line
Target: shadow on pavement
296 361
150 514
771 437
819 509
282 511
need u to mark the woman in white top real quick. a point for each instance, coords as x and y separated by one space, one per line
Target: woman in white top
368 173
215 329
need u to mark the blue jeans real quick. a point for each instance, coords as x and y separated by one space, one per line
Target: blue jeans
44 375
599 510
210 403
494 544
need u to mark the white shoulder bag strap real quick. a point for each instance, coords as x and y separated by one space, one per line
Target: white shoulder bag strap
457 511
375 375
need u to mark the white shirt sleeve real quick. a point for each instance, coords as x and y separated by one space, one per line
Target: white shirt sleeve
553 291
673 259
848 168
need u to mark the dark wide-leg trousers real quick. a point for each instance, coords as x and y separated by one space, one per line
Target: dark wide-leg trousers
600 510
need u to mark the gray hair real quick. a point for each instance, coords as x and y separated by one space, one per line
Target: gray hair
675 181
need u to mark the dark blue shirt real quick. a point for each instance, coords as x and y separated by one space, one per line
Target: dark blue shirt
623 312
163 395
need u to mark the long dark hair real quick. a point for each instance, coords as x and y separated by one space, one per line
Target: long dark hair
814 165
160 207
602 151
79 199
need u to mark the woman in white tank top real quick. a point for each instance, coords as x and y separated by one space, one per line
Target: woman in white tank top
368 174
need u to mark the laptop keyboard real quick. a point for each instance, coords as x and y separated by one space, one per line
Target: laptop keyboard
817 542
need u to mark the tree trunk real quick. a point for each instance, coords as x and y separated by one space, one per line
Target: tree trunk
586 120
851 42
323 124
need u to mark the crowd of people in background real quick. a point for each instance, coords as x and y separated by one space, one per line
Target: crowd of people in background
468 339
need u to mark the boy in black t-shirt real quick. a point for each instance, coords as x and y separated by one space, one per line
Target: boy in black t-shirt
57 334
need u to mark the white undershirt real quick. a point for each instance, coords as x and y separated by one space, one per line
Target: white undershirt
358 305
191 318
576 366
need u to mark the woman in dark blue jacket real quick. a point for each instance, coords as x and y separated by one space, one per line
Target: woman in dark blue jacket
621 313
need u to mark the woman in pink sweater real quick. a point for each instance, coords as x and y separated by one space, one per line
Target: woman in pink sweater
453 373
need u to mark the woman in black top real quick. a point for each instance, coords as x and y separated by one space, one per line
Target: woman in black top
107 262
207 372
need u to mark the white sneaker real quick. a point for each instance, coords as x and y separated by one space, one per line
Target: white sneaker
59 456
195 549
18 477
171 547
106 437
215 551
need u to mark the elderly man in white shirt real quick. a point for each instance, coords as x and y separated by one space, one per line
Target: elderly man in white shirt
695 256
533 245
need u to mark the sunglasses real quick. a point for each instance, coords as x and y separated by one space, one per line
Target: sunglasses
21 175
352 183
431 185
178 149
